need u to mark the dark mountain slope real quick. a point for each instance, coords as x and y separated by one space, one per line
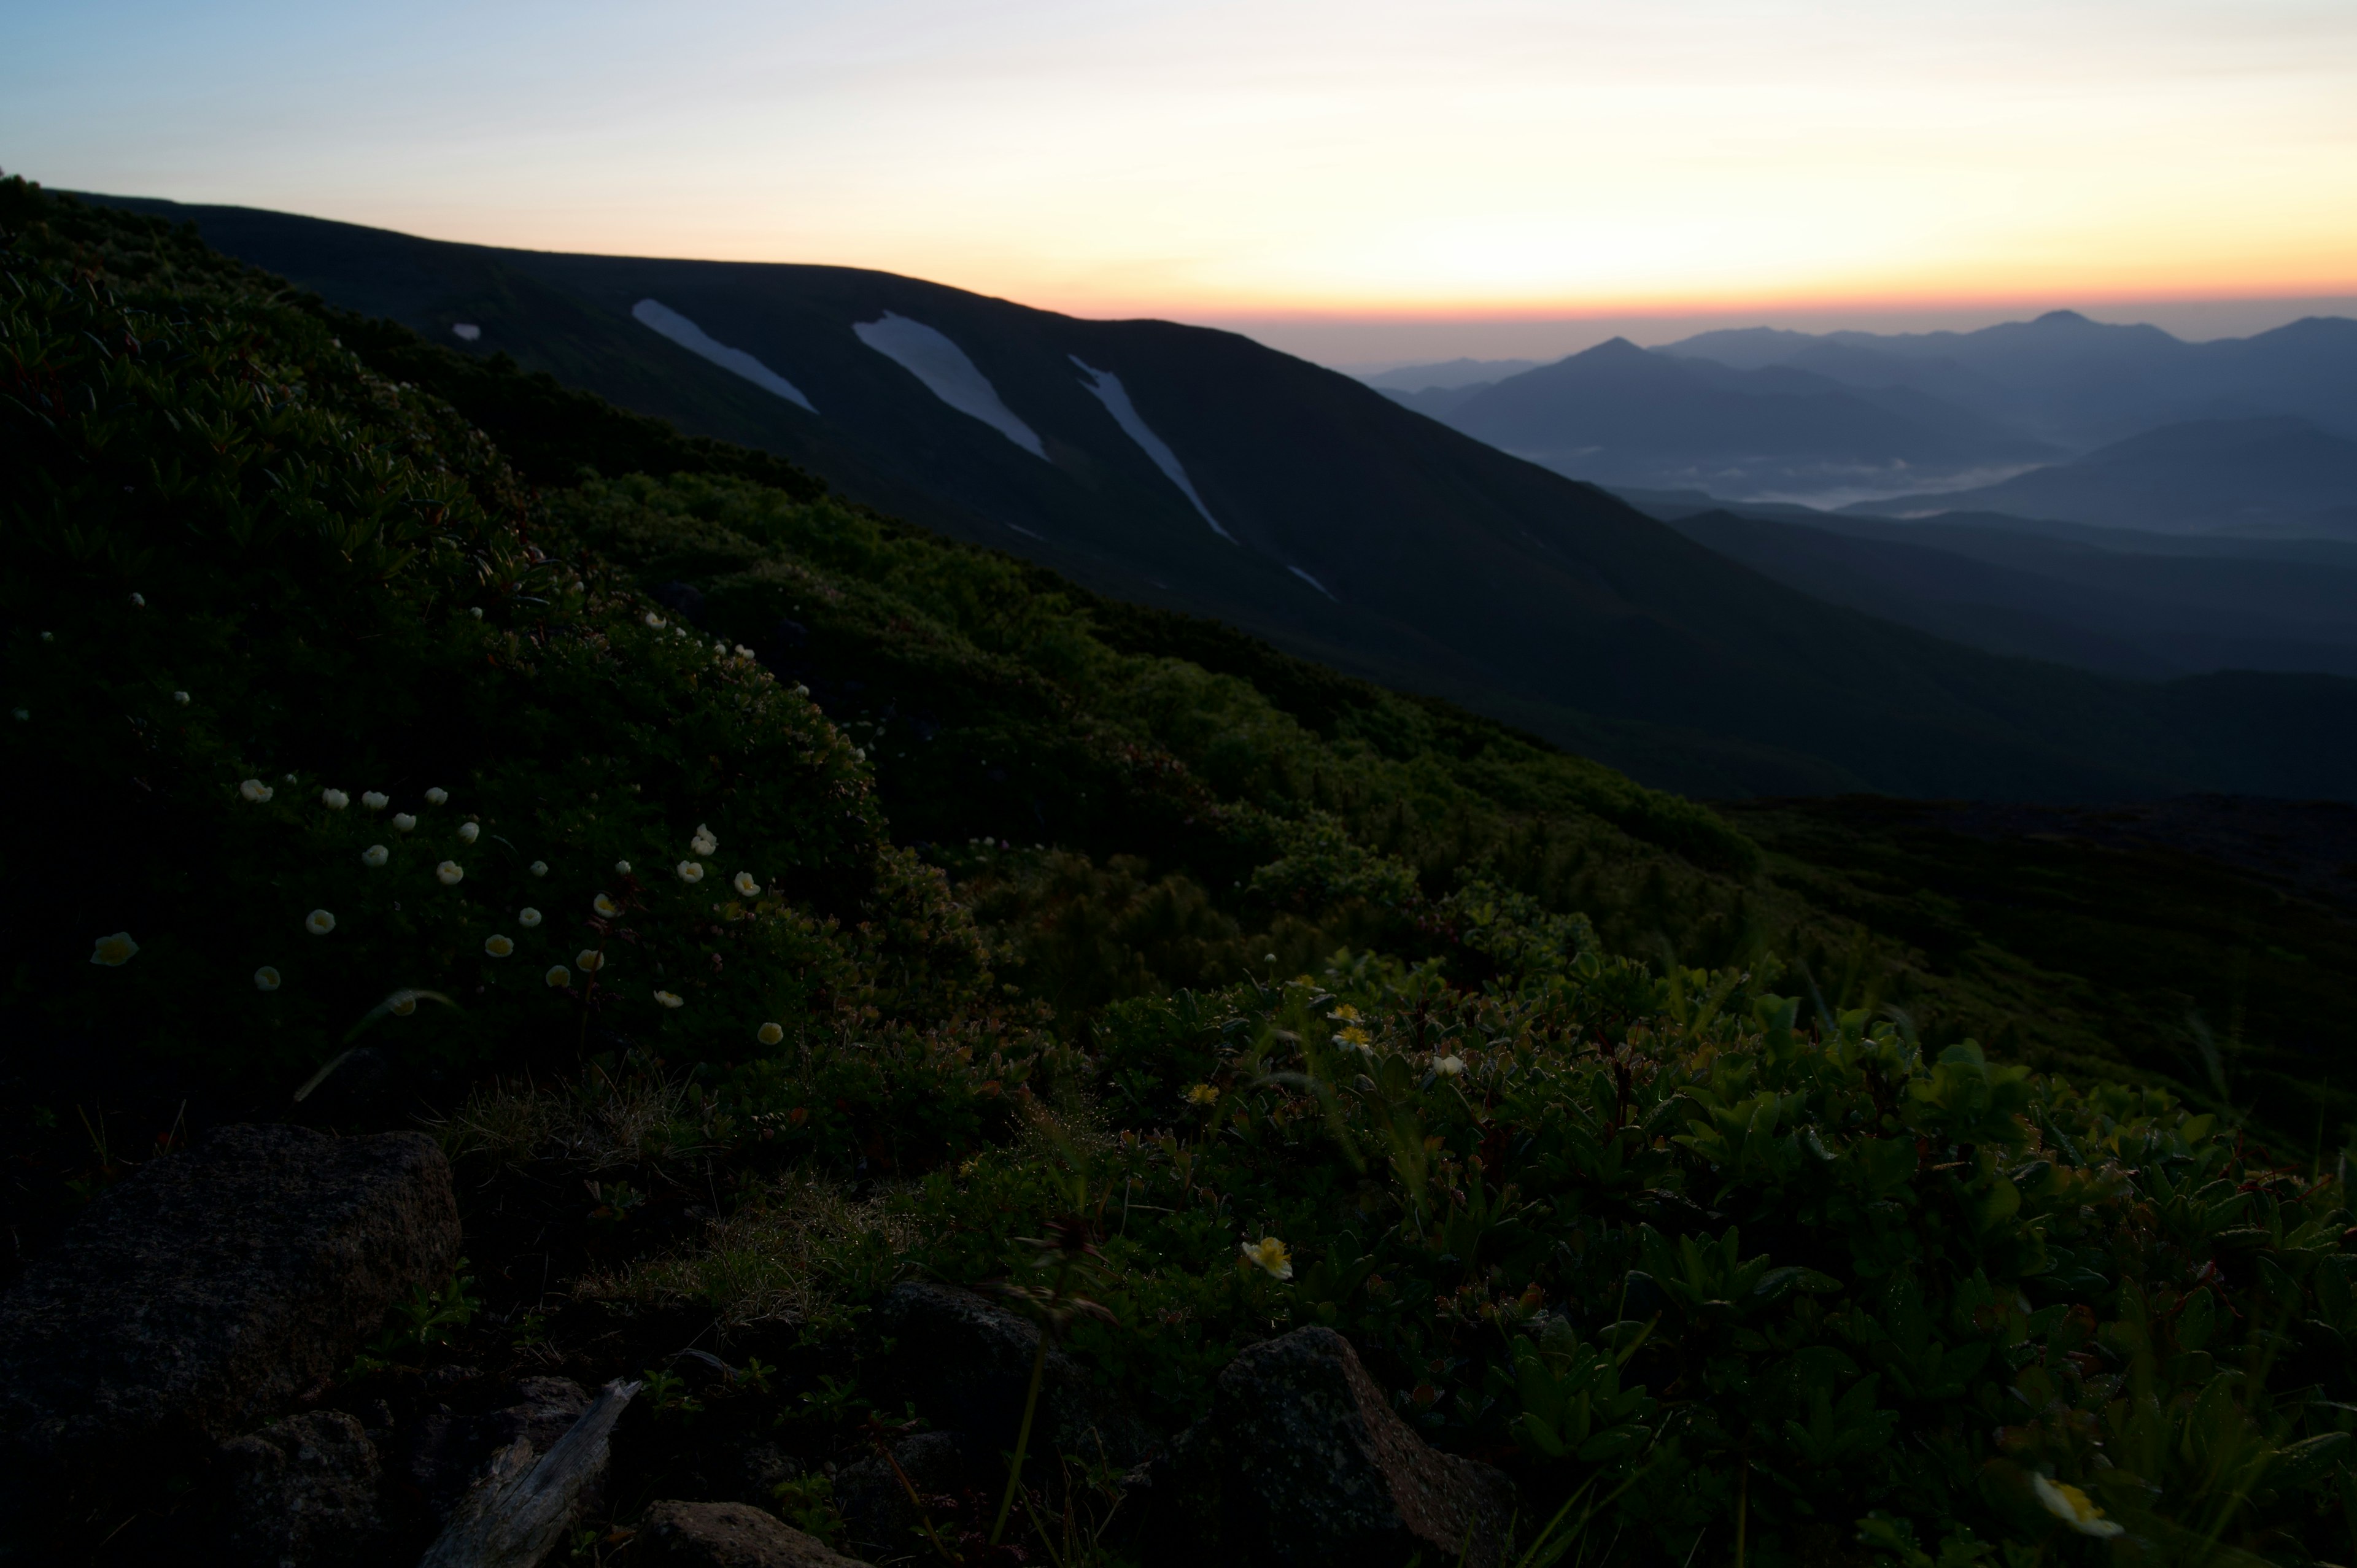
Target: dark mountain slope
1439 564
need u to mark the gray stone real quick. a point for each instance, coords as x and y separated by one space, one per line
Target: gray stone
876 1504
966 1363
205 1294
300 1492
1302 1461
727 1535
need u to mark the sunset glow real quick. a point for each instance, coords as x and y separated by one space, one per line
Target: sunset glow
1224 160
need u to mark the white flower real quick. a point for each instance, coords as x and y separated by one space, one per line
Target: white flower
621 868
558 977
469 832
375 854
2073 1508
703 842
770 1034
667 1000
1448 1066
402 822
181 698
254 790
527 918
139 601
49 637
448 874
318 922
498 946
437 795
114 951
655 621
540 868
476 611
589 960
334 799
290 778
1269 1256
860 754
689 871
265 978
746 885
22 713
605 906
375 799
404 1003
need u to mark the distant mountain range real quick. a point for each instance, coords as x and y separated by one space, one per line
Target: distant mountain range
1198 470
1913 422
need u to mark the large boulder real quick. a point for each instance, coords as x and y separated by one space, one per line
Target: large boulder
207 1293
302 1491
966 1363
727 1535
1302 1461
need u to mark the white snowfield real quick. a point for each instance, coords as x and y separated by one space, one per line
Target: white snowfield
1116 397
1313 582
947 373
654 313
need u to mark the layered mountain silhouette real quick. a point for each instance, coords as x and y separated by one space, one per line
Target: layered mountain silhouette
1620 414
1198 470
2276 474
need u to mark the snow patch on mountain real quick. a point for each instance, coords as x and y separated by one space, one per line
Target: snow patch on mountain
947 373
655 314
1116 397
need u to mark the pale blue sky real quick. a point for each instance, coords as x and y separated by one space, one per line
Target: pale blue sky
1363 175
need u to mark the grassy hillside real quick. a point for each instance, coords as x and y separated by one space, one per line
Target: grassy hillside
1452 568
767 900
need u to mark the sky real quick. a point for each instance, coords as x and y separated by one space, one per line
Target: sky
1358 181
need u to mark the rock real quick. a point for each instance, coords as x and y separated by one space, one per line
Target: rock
301 1491
206 1293
1302 1461
761 1469
875 1504
966 1363
447 1452
729 1535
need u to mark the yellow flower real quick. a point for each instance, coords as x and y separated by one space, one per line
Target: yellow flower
746 885
2073 1508
558 976
318 922
667 1000
770 1034
469 832
498 946
589 961
527 918
1203 1094
265 978
1448 1066
1269 1256
254 789
449 874
375 854
689 871
375 799
1352 1038
1345 1014
334 799
434 797
114 951
605 906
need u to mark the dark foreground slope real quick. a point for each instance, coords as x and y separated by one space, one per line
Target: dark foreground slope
1360 534
335 746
